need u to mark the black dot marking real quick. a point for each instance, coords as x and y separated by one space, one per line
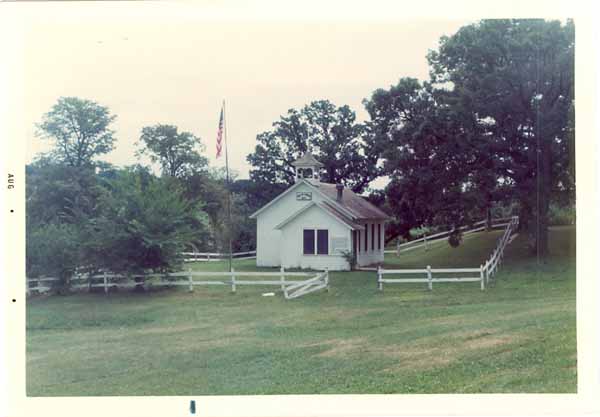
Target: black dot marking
12 211
14 301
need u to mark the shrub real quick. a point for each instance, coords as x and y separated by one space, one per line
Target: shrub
53 250
455 238
142 225
561 215
350 257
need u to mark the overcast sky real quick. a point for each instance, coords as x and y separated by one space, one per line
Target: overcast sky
178 73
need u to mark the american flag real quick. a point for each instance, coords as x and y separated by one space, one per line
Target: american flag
220 135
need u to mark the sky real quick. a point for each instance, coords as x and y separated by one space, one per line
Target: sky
179 72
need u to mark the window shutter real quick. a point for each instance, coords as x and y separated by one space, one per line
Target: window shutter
309 242
378 236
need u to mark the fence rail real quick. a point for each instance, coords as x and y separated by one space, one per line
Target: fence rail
481 274
291 288
216 256
299 289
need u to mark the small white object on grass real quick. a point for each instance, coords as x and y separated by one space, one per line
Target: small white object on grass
268 294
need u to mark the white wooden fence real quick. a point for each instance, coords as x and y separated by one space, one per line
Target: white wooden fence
441 236
430 276
291 288
216 256
491 265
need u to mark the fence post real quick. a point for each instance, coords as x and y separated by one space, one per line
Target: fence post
481 277
232 280
190 279
379 282
426 244
327 279
208 257
105 283
429 278
282 278
397 247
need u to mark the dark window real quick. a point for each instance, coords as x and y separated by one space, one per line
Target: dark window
309 242
322 242
373 236
378 236
366 237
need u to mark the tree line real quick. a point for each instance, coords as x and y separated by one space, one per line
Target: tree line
492 128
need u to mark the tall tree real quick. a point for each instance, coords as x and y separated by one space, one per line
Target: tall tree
428 156
178 153
494 124
518 76
80 130
331 133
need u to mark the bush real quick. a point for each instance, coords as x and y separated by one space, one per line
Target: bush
561 215
455 238
350 257
143 225
53 250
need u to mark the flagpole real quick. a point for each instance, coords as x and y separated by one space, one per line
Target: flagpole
228 187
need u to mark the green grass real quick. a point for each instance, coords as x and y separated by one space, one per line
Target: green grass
517 336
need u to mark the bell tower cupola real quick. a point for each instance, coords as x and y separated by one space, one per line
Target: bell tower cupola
307 167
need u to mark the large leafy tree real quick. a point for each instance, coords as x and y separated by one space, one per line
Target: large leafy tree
178 153
79 129
433 162
54 189
55 192
517 76
494 125
331 133
144 224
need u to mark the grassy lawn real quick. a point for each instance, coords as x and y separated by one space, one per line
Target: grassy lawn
517 336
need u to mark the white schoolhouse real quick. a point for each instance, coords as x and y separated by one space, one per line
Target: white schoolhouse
311 224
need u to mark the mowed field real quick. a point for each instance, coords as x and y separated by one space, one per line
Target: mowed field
517 336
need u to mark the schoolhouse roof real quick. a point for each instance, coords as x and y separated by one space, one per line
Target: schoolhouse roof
359 206
352 206
307 160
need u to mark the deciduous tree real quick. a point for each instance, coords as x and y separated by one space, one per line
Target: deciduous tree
80 130
518 76
178 153
333 136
